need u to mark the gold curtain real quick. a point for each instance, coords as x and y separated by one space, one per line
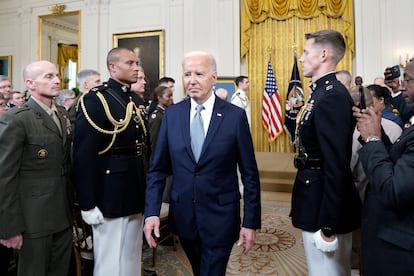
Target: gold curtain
275 29
66 53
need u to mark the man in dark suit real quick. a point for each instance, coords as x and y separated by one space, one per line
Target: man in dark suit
34 194
204 195
387 232
325 202
110 160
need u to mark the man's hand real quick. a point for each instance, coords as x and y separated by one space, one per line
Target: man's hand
152 230
369 122
247 237
15 242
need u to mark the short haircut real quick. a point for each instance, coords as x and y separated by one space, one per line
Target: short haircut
239 79
64 95
165 80
113 55
222 93
83 75
211 59
4 77
331 38
345 76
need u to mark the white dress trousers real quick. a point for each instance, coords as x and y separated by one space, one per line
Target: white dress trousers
336 263
117 246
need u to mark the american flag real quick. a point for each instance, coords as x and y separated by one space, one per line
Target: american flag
271 109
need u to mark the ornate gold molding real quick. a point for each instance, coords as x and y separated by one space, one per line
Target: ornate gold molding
57 9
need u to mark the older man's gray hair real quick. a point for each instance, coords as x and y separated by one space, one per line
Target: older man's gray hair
64 95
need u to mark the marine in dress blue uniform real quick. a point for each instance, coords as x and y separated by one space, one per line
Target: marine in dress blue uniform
324 195
111 157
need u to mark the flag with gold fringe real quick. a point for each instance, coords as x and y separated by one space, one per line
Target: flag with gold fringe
294 101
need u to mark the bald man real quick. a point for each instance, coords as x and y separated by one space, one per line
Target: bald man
34 202
222 93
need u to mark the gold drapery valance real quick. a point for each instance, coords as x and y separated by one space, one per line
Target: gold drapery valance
275 29
257 11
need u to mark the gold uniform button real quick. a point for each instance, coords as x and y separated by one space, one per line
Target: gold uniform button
42 154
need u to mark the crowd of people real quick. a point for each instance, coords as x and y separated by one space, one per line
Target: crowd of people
118 152
94 146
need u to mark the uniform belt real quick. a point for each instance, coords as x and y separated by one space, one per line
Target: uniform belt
303 162
136 150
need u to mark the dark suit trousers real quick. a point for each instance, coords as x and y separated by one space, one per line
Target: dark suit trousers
206 261
49 255
5 256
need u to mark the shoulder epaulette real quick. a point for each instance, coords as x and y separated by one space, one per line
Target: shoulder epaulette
102 87
237 94
19 109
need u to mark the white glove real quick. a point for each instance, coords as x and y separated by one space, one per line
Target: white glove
323 245
93 216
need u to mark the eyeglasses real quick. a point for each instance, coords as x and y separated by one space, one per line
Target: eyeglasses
406 81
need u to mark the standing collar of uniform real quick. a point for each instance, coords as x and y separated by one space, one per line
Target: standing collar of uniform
208 105
118 86
328 77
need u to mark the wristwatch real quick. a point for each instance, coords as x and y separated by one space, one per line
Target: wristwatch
372 138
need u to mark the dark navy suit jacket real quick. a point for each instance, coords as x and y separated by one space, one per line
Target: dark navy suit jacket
204 196
388 213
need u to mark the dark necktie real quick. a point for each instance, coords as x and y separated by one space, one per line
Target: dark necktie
197 133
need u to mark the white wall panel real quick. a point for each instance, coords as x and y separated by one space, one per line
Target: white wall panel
132 15
383 29
383 32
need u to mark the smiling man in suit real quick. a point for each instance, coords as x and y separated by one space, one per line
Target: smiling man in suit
204 195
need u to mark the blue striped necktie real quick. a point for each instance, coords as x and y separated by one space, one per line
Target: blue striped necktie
197 132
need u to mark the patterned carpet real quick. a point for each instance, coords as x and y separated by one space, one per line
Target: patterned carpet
278 250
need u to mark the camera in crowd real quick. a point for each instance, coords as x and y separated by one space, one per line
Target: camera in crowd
392 72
